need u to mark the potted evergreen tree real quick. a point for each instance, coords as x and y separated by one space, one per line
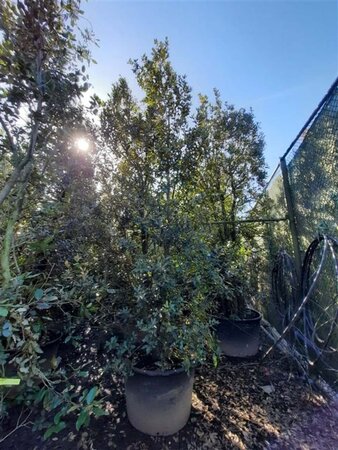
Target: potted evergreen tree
161 265
167 334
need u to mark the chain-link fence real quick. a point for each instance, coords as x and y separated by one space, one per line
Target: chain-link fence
304 187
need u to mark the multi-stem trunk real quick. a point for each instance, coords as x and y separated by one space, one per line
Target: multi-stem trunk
21 168
9 233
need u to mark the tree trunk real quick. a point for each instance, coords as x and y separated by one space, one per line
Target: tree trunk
8 238
25 162
233 233
223 227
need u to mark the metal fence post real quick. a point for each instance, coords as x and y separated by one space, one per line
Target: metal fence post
292 217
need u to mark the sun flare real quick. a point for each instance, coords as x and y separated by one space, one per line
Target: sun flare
82 144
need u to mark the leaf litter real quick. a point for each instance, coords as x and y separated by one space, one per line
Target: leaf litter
240 405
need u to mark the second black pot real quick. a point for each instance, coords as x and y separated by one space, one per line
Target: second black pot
239 337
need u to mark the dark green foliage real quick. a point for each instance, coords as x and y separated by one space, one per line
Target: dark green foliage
115 236
162 263
231 171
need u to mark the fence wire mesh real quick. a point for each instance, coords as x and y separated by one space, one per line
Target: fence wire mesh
312 165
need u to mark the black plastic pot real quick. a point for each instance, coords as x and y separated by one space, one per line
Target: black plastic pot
159 403
239 337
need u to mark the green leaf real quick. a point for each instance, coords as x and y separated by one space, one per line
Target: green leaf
38 294
58 417
7 329
83 419
10 381
54 429
40 395
56 402
43 305
83 374
98 412
37 327
3 357
91 395
3 311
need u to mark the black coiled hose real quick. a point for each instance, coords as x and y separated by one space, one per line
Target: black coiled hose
292 304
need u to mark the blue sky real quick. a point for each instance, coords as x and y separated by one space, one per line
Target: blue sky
278 57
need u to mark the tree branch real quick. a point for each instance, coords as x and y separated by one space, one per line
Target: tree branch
9 136
8 238
19 425
11 182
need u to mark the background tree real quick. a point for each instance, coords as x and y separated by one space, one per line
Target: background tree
42 175
231 163
39 83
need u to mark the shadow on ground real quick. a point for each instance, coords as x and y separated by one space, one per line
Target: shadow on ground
239 405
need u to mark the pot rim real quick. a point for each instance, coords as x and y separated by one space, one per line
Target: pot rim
257 318
161 373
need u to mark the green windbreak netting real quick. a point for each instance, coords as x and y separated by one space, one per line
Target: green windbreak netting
312 166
